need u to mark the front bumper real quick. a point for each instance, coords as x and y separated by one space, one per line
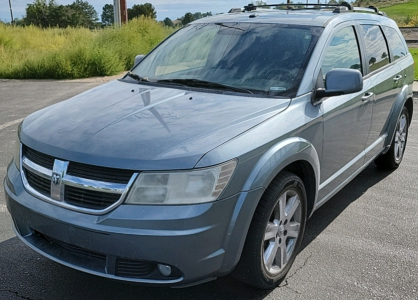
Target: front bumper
129 242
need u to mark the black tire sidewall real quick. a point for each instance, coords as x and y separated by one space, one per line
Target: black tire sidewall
291 183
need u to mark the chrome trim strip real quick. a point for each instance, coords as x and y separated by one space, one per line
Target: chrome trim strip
94 185
35 168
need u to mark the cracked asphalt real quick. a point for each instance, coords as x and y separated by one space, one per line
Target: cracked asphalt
362 244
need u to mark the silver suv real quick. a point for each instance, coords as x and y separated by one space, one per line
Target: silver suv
209 156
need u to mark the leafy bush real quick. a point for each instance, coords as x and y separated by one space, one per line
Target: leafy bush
31 52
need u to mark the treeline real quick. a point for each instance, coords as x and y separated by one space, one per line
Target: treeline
80 13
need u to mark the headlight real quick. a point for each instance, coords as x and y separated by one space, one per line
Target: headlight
16 156
182 187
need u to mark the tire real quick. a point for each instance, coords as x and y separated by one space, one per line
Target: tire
275 233
393 158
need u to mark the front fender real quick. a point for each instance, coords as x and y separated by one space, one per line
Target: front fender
278 157
265 170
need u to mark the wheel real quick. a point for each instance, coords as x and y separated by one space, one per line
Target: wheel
275 233
393 158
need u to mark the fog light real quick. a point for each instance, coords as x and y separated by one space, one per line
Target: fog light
164 270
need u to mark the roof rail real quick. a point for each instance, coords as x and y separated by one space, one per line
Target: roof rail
339 7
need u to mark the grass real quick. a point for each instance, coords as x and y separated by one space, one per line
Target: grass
31 52
405 14
414 52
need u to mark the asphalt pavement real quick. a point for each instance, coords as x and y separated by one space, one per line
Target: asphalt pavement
362 244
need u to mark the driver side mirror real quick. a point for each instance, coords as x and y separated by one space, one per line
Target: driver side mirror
138 59
339 82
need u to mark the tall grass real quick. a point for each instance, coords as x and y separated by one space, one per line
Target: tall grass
31 52
405 14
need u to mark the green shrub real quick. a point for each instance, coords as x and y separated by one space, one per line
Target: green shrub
414 52
31 52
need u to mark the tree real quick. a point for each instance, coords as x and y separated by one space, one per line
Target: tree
188 17
197 16
83 14
45 14
256 3
168 22
146 10
38 13
108 15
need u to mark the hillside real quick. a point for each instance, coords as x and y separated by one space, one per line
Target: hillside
405 13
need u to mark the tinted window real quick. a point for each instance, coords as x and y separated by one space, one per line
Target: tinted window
343 52
377 50
262 58
395 42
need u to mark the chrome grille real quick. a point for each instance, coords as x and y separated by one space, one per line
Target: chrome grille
73 185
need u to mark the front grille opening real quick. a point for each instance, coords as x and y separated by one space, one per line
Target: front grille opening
38 183
99 173
89 199
39 158
122 267
74 250
133 268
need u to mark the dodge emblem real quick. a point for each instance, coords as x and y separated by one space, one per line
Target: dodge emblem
56 178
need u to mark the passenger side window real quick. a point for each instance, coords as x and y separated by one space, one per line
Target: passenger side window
396 44
343 52
376 47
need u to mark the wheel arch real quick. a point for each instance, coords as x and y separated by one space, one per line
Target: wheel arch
409 104
295 155
402 100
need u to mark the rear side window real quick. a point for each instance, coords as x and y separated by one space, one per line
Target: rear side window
377 50
395 42
343 52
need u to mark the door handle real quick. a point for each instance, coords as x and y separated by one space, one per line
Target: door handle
397 78
366 97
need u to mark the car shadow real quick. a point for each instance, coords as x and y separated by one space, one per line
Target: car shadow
326 214
28 275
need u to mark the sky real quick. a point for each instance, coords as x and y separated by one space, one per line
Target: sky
172 9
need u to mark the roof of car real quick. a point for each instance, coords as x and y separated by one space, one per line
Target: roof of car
291 17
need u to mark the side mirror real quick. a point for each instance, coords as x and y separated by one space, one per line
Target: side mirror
340 82
138 59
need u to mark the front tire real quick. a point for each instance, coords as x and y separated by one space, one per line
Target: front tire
275 233
393 158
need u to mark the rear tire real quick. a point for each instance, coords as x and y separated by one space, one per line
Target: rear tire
275 233
393 158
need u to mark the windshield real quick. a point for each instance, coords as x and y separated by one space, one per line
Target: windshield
259 58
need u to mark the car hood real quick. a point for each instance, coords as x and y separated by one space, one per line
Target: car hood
142 127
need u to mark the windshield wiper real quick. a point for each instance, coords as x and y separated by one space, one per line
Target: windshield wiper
137 77
205 84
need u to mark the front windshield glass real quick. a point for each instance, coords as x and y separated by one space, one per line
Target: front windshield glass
259 58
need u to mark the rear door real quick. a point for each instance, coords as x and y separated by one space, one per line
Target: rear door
387 77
